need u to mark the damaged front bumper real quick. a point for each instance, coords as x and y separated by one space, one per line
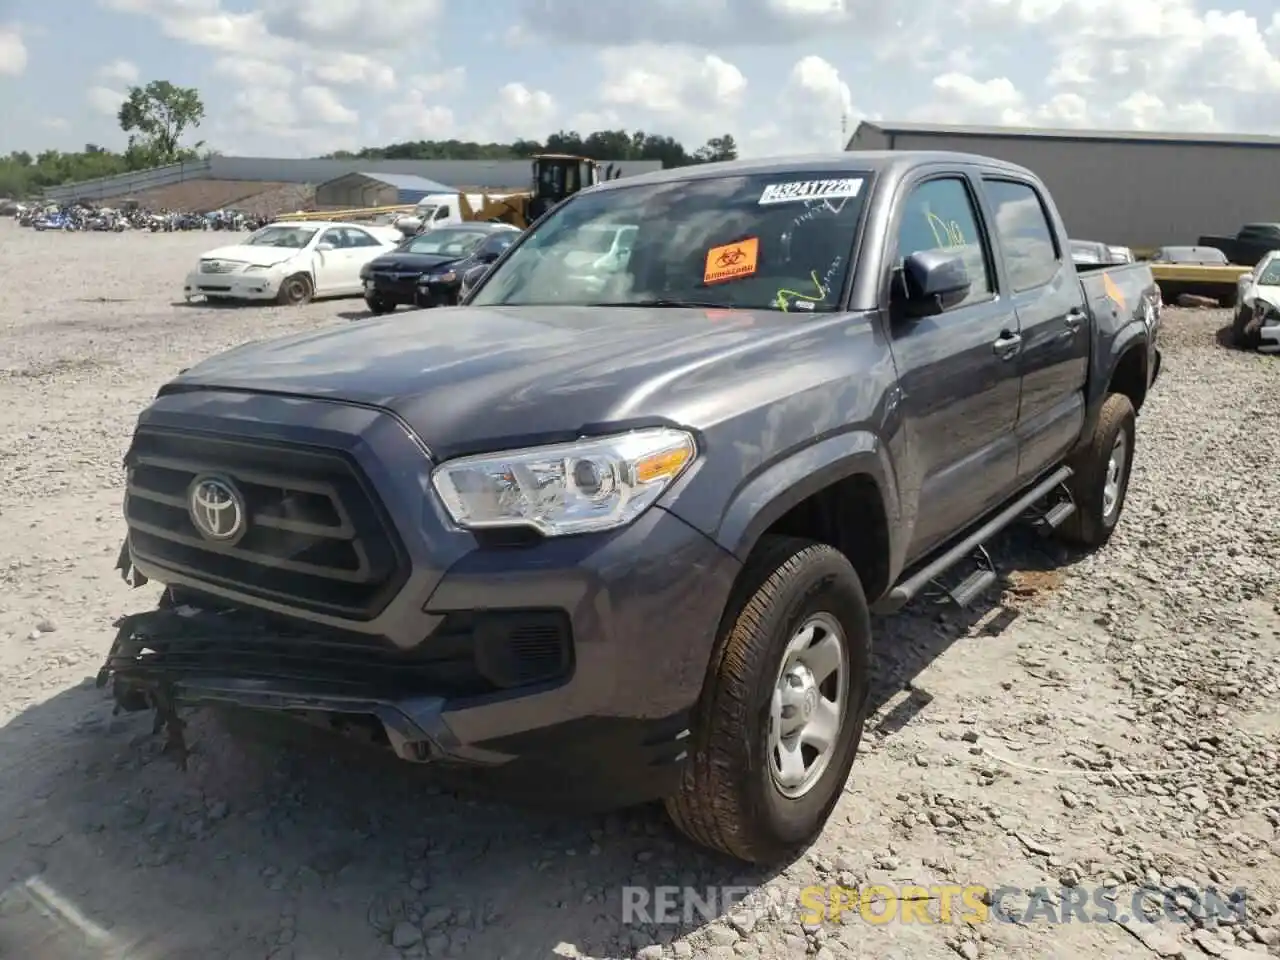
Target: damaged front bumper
180 654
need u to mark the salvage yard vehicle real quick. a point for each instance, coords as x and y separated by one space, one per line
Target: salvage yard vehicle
291 263
443 285
619 539
1257 320
1195 271
392 279
1252 242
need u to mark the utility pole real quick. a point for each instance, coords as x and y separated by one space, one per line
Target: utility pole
844 130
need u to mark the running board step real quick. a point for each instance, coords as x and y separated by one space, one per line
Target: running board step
972 587
903 592
1056 516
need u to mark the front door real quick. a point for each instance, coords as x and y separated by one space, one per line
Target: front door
1045 290
958 373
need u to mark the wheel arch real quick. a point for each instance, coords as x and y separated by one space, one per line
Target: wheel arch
840 491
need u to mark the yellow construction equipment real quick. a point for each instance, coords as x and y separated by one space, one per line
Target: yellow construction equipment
555 177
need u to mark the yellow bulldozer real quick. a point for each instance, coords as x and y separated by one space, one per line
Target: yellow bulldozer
556 177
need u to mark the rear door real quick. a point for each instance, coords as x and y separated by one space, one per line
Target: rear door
957 371
1044 288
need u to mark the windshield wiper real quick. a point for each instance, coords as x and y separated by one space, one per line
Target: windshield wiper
662 302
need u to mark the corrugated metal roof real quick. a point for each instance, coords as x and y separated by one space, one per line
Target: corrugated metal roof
1049 133
407 181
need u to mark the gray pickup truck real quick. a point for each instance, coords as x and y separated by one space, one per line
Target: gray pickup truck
617 531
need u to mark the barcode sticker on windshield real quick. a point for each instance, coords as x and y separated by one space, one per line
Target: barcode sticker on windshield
799 190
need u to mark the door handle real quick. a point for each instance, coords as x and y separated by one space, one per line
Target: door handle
1074 320
1008 345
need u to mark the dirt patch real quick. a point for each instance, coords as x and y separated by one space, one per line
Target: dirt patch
1109 721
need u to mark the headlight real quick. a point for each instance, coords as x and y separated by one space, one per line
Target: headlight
258 267
447 276
586 486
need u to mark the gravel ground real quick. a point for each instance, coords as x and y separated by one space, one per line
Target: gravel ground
1104 723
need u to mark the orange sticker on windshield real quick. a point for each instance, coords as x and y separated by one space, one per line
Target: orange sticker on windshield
731 261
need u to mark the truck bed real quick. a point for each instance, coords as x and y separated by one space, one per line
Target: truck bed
1123 295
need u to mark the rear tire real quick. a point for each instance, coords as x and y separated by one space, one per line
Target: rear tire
295 291
1101 479
736 796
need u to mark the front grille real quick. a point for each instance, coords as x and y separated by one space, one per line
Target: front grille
469 654
218 266
316 537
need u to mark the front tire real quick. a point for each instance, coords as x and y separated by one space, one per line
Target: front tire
1101 479
295 291
378 306
790 672
1241 335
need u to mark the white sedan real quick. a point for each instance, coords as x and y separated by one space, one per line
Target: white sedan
1257 321
291 262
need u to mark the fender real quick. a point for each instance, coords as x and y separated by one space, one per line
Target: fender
768 495
1106 358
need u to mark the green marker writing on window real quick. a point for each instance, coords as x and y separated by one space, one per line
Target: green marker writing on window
783 297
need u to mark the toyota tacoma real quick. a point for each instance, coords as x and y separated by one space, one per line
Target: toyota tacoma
622 532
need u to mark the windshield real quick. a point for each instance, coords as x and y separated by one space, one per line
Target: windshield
1269 276
777 241
295 237
1084 251
452 242
425 211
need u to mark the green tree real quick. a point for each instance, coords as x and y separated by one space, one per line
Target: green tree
156 116
717 149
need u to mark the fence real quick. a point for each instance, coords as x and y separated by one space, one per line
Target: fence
121 185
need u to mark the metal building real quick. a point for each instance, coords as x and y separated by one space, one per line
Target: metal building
1139 190
371 189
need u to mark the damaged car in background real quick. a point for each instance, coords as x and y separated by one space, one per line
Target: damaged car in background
1257 321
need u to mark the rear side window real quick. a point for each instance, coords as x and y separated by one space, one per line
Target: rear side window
939 215
1030 250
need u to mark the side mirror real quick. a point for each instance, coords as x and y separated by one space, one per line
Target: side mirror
324 246
1246 276
933 281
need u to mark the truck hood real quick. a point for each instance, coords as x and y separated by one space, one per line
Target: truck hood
262 255
469 379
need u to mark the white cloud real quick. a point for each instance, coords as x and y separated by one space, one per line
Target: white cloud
254 73
55 123
520 113
104 100
324 105
120 71
13 53
669 80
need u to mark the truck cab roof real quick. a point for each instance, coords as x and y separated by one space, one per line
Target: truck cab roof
892 163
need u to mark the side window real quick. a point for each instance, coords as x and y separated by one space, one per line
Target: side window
332 236
939 215
358 238
1030 248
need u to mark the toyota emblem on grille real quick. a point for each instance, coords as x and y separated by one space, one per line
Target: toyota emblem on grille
217 509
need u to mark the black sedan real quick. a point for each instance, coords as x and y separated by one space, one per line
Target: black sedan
445 285
392 279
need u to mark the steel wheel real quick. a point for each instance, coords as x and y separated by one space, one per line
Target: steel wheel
808 705
1113 479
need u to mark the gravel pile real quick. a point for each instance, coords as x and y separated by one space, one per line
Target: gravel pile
1107 725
